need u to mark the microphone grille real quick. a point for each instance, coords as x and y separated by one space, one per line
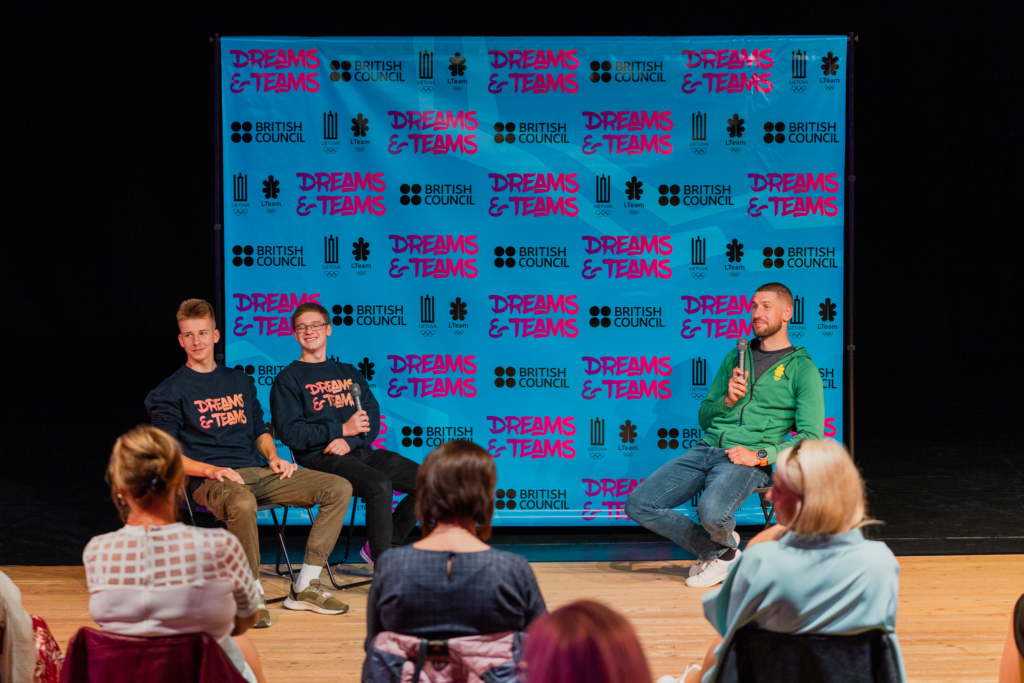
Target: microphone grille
356 391
741 344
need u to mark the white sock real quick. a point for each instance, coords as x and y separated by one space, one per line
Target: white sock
259 587
307 574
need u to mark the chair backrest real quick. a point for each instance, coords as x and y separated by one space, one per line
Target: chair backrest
758 656
493 658
97 657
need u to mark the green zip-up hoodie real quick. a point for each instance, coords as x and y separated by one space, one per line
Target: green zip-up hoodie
787 397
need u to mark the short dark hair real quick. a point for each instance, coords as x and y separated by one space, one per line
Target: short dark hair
456 481
311 307
780 290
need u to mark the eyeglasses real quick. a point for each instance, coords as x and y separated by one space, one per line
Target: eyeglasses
315 327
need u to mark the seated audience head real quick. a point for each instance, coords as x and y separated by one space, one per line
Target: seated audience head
817 489
197 329
584 642
145 467
455 485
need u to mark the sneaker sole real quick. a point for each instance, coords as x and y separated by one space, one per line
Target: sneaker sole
366 558
706 585
301 606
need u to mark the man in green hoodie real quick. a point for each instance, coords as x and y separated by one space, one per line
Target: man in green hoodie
747 413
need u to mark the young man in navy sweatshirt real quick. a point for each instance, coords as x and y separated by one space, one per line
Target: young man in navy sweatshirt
213 411
314 414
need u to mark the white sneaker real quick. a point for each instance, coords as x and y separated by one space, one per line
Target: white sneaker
713 574
698 566
680 679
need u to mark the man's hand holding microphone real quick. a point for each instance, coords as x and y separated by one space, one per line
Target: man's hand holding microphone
356 425
737 390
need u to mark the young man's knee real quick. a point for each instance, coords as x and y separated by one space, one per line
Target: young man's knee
714 518
240 503
379 487
338 489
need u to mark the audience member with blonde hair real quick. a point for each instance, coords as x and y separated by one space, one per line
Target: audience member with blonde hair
584 642
157 577
817 575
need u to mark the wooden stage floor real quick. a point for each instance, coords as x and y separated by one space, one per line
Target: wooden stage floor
954 613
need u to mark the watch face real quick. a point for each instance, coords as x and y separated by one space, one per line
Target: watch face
762 453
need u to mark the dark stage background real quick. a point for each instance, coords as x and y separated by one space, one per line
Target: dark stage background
109 164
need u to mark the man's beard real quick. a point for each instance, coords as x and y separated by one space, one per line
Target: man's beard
769 330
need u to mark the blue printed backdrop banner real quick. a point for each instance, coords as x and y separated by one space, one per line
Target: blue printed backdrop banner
545 245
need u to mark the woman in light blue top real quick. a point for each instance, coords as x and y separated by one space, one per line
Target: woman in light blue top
818 574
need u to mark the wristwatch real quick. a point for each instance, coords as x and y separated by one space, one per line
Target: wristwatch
763 457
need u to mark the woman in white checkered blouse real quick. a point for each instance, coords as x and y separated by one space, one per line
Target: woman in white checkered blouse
158 577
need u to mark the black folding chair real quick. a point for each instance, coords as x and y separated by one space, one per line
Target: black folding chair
758 656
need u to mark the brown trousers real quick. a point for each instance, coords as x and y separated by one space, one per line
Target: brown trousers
236 505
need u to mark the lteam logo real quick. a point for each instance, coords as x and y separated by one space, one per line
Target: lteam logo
633 72
827 313
735 128
360 127
366 366
361 256
829 68
457 68
458 310
267 131
271 188
734 254
627 435
240 194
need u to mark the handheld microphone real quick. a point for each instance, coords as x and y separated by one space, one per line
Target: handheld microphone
356 394
741 354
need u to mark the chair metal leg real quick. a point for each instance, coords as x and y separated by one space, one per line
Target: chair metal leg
768 509
348 545
188 504
282 549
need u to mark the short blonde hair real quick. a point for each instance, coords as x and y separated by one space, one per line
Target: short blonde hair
196 309
145 462
822 476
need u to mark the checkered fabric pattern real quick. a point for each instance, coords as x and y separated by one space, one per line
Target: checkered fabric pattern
168 557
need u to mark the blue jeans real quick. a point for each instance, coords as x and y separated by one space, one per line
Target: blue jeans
727 485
